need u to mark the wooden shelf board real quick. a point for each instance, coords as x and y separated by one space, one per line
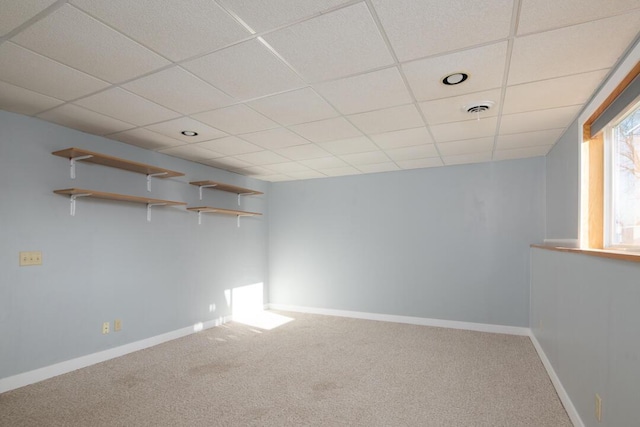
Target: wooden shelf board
227 187
116 162
114 196
209 209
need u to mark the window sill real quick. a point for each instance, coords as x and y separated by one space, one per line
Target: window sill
601 253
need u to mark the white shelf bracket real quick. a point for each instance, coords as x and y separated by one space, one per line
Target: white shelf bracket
72 200
152 175
242 194
239 219
205 186
149 206
72 164
199 217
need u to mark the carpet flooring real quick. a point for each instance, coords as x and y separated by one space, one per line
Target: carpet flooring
312 371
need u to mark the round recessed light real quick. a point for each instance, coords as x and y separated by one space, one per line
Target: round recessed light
455 79
189 133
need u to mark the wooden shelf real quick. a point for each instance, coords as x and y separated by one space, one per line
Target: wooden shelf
115 162
74 193
208 209
226 187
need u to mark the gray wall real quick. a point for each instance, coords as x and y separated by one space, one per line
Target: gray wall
584 313
446 243
563 186
107 262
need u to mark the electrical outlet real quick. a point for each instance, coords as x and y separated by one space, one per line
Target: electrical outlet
30 258
105 328
598 407
117 325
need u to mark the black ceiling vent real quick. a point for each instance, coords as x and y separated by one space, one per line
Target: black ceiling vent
478 107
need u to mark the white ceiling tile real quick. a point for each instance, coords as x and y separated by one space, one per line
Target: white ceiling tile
324 163
454 109
429 162
298 106
484 65
227 163
402 138
236 119
413 152
262 158
366 158
465 130
179 90
28 69
125 106
191 152
342 171
303 152
467 158
379 167
333 45
528 139
562 52
467 146
366 92
16 13
177 30
306 174
255 171
389 119
521 153
75 39
359 144
229 146
75 117
288 167
244 71
552 118
326 130
560 92
23 101
274 178
274 138
173 129
262 16
418 28
540 15
145 138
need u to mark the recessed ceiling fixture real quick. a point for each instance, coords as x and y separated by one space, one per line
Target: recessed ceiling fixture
455 79
478 107
189 133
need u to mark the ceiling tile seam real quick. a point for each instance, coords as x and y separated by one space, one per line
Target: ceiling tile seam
515 19
624 12
534 131
543 109
35 91
29 22
405 81
460 95
235 17
255 35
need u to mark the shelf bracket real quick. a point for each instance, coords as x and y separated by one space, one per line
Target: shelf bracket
152 175
72 200
199 217
243 194
239 219
205 186
72 164
149 206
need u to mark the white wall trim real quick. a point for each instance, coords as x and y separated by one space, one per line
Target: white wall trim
555 380
41 374
452 324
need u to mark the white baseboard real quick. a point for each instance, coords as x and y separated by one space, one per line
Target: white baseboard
562 393
452 324
26 378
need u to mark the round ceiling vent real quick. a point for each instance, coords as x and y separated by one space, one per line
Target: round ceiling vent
478 107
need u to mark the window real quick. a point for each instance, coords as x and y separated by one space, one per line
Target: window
622 180
610 188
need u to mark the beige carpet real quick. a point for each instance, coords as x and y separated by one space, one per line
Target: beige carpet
314 370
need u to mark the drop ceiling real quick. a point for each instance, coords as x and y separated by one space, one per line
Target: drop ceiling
296 89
